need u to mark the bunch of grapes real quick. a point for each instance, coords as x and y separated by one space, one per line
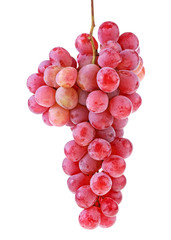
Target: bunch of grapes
95 101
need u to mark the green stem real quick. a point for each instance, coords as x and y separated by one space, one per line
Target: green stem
91 32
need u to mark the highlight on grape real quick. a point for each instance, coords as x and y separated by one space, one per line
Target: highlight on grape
93 95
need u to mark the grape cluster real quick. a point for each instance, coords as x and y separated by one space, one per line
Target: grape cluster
95 101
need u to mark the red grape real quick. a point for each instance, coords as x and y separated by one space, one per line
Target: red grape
100 183
84 197
128 40
75 181
45 96
88 165
89 218
45 117
119 123
99 149
119 132
114 93
130 60
129 82
35 107
50 75
79 114
136 100
118 183
108 57
108 31
139 67
109 207
83 44
67 97
43 65
70 167
97 101
82 97
112 44
122 147
74 63
101 121
117 196
106 222
35 81
60 57
67 77
108 134
58 116
73 151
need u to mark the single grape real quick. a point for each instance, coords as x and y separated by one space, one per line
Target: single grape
73 151
75 181
82 97
66 77
101 121
45 117
122 147
120 107
60 57
74 63
84 197
97 101
45 96
34 107
128 40
43 65
58 116
118 183
84 59
108 57
87 77
89 218
141 74
130 60
88 165
108 31
108 134
108 79
70 167
100 183
139 67
129 82
106 222
79 114
119 123
136 100
83 44
116 196
67 97
50 75
83 133
99 149
109 207
35 81
112 44
114 93
119 132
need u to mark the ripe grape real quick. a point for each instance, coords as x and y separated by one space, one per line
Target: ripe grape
89 218
45 117
108 134
84 197
108 31
88 165
67 97
66 77
128 40
99 149
79 114
75 181
45 96
83 44
84 59
97 101
114 93
60 57
35 107
100 183
50 75
70 167
35 81
136 100
119 132
106 222
74 63
58 116
43 65
130 60
108 79
112 44
118 183
139 67
73 151
109 207
129 82
114 166
83 133
101 121
122 147
117 196
82 97
108 57
119 123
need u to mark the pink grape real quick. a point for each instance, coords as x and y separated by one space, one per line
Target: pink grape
35 81
74 63
106 222
70 124
97 101
136 100
82 97
100 183
139 67
114 166
43 65
83 44
88 165
101 121
118 183
87 77
108 134
129 82
67 97
83 133
89 218
122 147
84 197
108 79
70 167
85 59
109 207
45 96
141 74
130 60
73 151
79 114
109 58
50 75
108 31
60 57
114 93
35 107
45 117
119 123
75 181
128 40
58 116
112 44
138 50
120 107
99 149
66 77
117 196
119 132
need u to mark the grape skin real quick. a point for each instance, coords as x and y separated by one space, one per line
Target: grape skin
82 97
67 97
66 77
108 57
70 167
73 151
45 96
101 121
84 197
75 181
60 57
89 218
136 100
117 196
118 183
112 44
83 44
100 183
128 40
108 31
79 114
43 65
34 107
106 222
119 123
119 132
129 82
109 207
130 60
108 134
35 81
97 101
50 75
45 117
99 149
58 116
122 147
88 165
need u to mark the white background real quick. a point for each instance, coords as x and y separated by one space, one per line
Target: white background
35 202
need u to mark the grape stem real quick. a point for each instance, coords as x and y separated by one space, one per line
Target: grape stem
91 32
